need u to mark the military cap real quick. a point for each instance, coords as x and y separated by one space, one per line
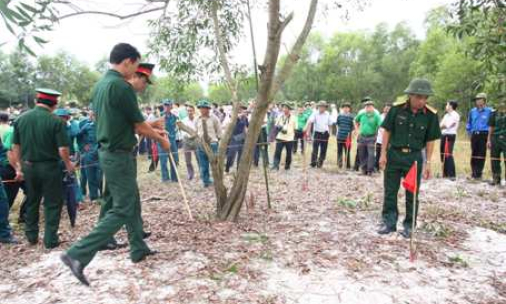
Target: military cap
481 96
62 112
346 104
167 102
47 96
287 104
203 104
323 103
367 98
146 69
369 103
419 86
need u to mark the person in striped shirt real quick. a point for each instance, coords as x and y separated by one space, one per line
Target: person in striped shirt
345 126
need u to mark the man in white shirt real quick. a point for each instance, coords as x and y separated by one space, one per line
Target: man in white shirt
190 142
321 122
379 138
449 127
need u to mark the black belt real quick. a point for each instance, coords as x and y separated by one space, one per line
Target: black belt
118 151
480 132
406 150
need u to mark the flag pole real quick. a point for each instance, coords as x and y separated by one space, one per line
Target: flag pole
171 157
412 249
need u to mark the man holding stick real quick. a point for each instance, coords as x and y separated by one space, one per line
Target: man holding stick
118 119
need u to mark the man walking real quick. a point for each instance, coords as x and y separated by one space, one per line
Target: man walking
171 120
321 122
40 141
367 123
410 126
477 129
118 119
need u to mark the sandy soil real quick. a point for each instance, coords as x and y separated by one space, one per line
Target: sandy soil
316 245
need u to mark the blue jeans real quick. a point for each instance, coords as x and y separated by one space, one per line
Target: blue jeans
164 158
5 228
204 164
93 172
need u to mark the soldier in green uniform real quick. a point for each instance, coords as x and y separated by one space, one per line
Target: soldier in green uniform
118 118
40 141
410 126
497 140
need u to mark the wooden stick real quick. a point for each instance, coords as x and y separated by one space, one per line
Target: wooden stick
171 157
412 249
305 186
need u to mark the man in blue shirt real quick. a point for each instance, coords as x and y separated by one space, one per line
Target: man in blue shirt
171 128
477 129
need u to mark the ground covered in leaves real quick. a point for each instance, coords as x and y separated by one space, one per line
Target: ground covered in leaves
318 244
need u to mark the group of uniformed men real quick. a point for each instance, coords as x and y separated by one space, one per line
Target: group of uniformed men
42 158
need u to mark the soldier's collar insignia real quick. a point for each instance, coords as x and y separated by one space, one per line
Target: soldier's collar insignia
431 109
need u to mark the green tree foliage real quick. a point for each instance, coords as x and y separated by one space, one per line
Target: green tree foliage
16 79
219 92
352 65
168 87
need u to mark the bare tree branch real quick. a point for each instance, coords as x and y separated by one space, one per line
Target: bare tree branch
117 16
293 56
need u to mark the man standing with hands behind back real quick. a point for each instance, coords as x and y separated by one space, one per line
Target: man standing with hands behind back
118 119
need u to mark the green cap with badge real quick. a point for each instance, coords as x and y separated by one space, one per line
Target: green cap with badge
419 86
203 104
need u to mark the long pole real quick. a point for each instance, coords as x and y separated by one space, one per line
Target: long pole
255 65
412 249
183 192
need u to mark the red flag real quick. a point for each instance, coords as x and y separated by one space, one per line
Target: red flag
348 142
447 148
154 150
410 181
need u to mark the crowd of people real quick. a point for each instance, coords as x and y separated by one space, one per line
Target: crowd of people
66 156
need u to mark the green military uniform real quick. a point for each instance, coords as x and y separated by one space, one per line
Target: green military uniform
409 134
40 134
497 121
117 112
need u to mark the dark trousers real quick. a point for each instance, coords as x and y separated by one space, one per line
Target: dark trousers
447 158
234 151
120 170
70 196
398 165
342 149
478 153
378 155
261 148
280 144
320 143
7 173
299 137
498 150
43 181
356 166
366 149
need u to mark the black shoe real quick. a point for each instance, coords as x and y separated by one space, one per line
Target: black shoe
145 234
386 230
10 240
406 233
33 242
76 267
142 258
495 183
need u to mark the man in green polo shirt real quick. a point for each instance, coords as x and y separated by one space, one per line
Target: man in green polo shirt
39 142
367 122
118 118
410 126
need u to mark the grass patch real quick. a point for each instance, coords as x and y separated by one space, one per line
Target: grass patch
255 238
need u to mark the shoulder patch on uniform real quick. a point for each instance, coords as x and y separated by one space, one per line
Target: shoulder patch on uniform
431 109
400 103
